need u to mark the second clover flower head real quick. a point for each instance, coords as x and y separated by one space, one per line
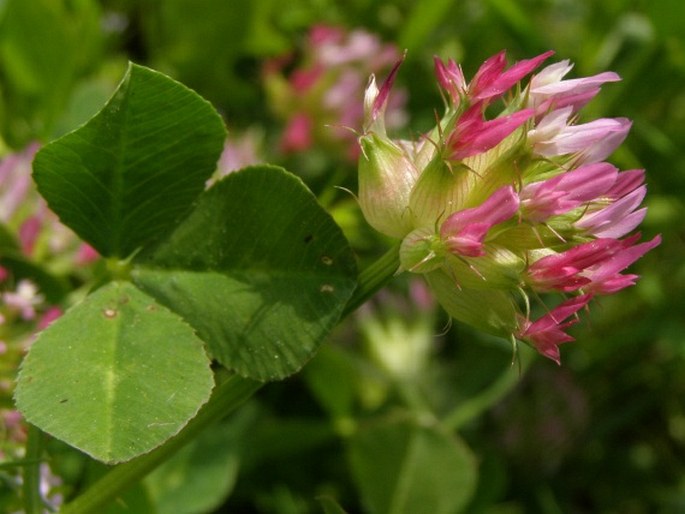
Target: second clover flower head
495 209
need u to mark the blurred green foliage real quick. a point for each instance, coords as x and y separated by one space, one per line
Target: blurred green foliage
604 434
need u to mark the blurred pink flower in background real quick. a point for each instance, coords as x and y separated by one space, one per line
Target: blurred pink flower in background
320 100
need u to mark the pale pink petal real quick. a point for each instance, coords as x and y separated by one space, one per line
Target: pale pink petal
589 181
605 145
574 86
551 74
550 126
617 219
596 139
574 101
626 182
566 191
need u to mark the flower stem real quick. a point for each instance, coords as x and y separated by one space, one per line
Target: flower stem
477 404
373 278
227 396
33 503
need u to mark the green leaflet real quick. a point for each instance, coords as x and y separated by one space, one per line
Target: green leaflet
116 376
258 269
129 175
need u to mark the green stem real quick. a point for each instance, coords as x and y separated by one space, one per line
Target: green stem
475 405
373 278
33 503
227 396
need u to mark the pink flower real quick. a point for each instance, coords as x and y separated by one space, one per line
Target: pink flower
591 142
563 271
547 333
566 191
619 218
240 150
48 317
464 231
605 278
303 80
473 135
86 254
626 182
297 136
490 81
15 181
29 231
547 90
593 267
24 300
319 99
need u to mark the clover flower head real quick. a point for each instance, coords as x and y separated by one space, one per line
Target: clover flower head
494 207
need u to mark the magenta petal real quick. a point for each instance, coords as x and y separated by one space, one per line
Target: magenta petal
546 334
606 278
464 231
507 79
451 78
474 137
488 72
562 271
499 207
297 136
384 91
469 240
